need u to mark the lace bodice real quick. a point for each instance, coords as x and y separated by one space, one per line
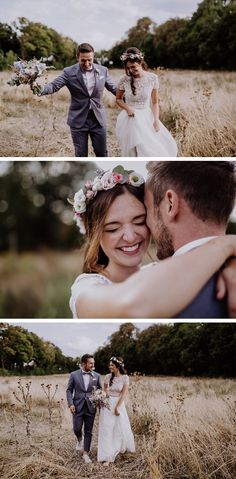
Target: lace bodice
144 87
117 384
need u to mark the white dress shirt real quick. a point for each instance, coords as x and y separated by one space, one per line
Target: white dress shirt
89 80
86 378
193 244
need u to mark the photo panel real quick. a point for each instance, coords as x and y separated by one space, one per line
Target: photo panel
167 390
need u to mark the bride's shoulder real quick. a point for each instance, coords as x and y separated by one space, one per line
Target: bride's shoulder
107 378
123 80
145 266
153 78
91 278
125 378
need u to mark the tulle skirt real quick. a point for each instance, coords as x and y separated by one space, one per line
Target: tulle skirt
114 432
137 136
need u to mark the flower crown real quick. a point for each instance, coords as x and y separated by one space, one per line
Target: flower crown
113 358
131 56
105 180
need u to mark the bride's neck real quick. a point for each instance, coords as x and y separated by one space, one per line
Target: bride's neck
117 273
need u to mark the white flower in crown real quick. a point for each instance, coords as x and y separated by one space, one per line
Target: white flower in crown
108 180
135 179
79 202
97 184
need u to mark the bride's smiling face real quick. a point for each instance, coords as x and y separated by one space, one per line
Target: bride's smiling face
125 236
134 68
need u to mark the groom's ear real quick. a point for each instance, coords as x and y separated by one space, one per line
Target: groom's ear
171 204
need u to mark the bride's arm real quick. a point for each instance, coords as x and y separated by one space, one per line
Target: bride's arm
119 100
121 399
155 109
161 291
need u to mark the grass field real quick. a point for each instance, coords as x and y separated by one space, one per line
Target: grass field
198 107
184 429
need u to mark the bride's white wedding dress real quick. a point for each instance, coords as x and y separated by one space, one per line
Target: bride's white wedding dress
114 432
136 135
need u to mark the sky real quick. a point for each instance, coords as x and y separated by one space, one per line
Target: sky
99 22
75 339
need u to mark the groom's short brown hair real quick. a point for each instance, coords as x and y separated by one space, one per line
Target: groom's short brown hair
208 187
85 358
84 48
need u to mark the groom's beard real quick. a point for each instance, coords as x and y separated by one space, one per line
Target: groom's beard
164 242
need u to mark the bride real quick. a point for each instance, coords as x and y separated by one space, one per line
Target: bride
114 432
139 130
110 210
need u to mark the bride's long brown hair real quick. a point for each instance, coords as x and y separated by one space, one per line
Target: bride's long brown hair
141 62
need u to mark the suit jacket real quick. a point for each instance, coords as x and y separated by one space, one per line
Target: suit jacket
81 101
206 305
77 394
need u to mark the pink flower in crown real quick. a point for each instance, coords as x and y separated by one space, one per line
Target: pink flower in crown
108 180
90 194
118 177
89 184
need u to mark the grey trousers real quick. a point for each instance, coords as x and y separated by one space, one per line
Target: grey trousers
97 134
84 418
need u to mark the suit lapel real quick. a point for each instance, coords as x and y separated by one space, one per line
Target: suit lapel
81 379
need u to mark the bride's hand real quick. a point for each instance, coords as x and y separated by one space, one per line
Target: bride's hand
226 284
116 412
156 125
130 111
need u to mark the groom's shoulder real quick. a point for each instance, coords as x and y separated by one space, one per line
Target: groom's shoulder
75 372
97 66
71 69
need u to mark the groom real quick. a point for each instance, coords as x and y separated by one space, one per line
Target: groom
80 386
188 203
86 81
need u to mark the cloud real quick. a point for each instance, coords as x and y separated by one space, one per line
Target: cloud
101 23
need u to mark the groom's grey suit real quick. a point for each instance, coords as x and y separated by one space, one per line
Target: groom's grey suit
86 113
78 395
206 305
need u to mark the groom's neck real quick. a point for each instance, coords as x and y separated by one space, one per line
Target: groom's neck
196 230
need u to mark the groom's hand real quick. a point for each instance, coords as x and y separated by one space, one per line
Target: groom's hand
226 284
72 409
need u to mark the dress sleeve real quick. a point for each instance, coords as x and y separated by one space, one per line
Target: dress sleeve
126 379
121 83
84 281
107 379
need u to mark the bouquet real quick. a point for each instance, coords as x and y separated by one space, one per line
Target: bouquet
99 399
26 73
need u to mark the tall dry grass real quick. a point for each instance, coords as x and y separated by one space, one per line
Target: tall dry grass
184 429
198 107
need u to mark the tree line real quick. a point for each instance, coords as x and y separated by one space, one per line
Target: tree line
22 351
206 40
181 349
